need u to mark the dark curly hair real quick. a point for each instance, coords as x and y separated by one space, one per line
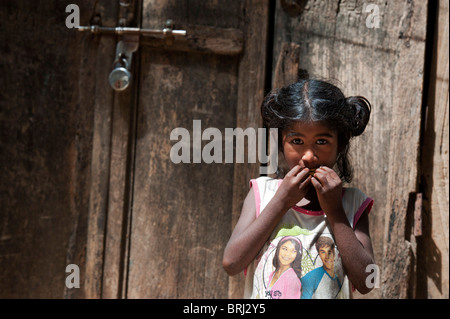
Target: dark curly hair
317 100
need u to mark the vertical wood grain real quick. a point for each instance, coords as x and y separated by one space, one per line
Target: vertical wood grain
433 271
251 85
181 213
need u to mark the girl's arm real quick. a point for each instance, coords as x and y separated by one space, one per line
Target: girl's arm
355 246
251 233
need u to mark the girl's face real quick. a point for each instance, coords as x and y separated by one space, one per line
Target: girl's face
310 144
287 253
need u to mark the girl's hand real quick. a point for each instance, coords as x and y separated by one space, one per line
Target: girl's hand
294 187
328 186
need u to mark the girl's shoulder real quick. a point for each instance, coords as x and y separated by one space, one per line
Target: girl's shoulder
355 203
264 188
265 178
354 193
265 184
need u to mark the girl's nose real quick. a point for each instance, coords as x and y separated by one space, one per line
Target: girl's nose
309 157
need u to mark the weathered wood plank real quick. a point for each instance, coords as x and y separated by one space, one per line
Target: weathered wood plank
181 212
118 197
199 38
46 120
121 174
404 147
251 86
103 55
286 69
433 263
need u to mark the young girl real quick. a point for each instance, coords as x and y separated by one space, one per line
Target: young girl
315 123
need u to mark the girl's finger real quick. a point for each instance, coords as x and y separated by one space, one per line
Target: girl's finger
294 171
301 176
301 163
320 176
326 170
306 182
328 175
317 185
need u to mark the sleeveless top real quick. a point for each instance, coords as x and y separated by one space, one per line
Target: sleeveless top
301 259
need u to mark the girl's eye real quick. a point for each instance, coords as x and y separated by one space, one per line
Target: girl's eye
322 142
297 141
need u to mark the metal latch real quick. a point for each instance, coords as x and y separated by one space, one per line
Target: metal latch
120 76
166 32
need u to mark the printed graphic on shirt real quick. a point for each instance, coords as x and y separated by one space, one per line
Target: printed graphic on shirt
305 266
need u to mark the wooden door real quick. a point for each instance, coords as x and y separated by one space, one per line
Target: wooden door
167 223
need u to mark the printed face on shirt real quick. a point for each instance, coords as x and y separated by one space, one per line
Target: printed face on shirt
314 144
326 253
287 253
